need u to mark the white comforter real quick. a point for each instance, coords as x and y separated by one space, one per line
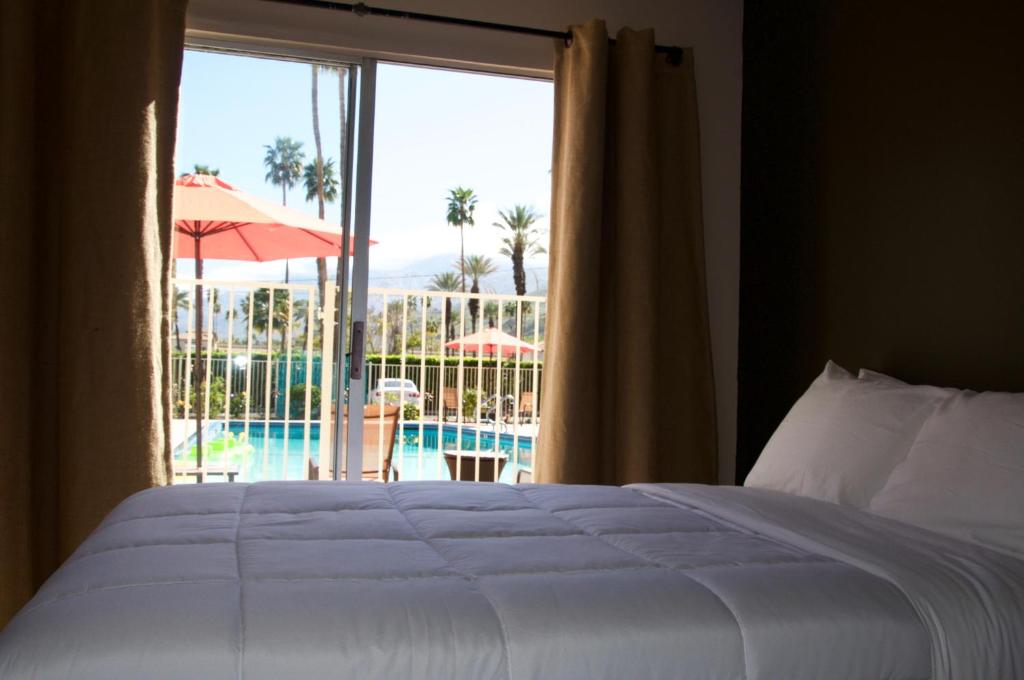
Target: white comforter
476 581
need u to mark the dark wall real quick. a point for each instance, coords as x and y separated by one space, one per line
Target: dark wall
882 198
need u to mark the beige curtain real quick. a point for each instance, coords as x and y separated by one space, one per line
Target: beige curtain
627 393
89 104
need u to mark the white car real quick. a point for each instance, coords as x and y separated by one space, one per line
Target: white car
395 391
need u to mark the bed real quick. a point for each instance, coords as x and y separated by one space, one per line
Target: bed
879 536
475 581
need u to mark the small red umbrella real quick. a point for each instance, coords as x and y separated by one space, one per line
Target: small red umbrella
215 220
487 342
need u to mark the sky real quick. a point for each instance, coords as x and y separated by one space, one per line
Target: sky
434 130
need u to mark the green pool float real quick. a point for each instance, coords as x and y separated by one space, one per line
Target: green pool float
230 450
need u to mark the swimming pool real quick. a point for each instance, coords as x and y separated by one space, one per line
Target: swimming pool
278 455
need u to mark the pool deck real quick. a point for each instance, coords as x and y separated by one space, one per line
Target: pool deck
181 431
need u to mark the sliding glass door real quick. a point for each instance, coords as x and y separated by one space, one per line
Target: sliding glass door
448 288
410 346
261 287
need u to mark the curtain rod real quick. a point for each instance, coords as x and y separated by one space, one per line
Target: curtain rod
673 54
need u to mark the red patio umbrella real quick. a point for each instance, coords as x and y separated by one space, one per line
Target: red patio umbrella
488 340
216 221
223 223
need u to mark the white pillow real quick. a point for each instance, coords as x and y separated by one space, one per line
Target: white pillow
843 438
868 374
964 475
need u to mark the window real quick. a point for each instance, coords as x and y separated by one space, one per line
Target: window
453 154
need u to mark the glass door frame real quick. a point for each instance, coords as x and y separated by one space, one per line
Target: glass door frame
345 447
348 445
346 435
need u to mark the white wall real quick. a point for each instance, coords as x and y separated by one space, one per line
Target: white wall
713 28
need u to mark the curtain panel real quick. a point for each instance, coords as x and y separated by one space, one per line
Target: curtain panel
627 392
89 105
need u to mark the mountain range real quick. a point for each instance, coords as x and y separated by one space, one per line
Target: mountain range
417 274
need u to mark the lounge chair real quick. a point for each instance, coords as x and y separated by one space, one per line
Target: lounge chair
377 452
449 402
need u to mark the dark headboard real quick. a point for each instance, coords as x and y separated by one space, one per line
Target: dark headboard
882 198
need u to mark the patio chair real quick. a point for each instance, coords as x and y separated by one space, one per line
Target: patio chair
449 402
526 407
377 457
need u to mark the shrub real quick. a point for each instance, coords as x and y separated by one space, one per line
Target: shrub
469 398
217 398
238 405
410 411
298 401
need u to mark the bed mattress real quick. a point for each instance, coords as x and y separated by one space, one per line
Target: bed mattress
476 581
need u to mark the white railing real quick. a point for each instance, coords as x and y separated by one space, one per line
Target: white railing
257 344
267 403
490 414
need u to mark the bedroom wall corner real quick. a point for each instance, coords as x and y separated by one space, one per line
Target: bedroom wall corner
881 212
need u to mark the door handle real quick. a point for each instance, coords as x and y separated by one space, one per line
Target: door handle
356 368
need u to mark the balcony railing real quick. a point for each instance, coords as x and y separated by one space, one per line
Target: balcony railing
267 399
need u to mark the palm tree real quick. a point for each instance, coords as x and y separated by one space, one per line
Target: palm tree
461 204
446 282
511 312
491 312
523 241
284 164
322 187
215 308
284 168
180 302
300 314
327 176
199 169
315 180
260 315
394 329
318 162
477 267
343 73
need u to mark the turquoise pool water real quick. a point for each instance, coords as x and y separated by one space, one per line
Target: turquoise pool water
278 455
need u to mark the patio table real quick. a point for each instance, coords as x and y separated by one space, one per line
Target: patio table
470 460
